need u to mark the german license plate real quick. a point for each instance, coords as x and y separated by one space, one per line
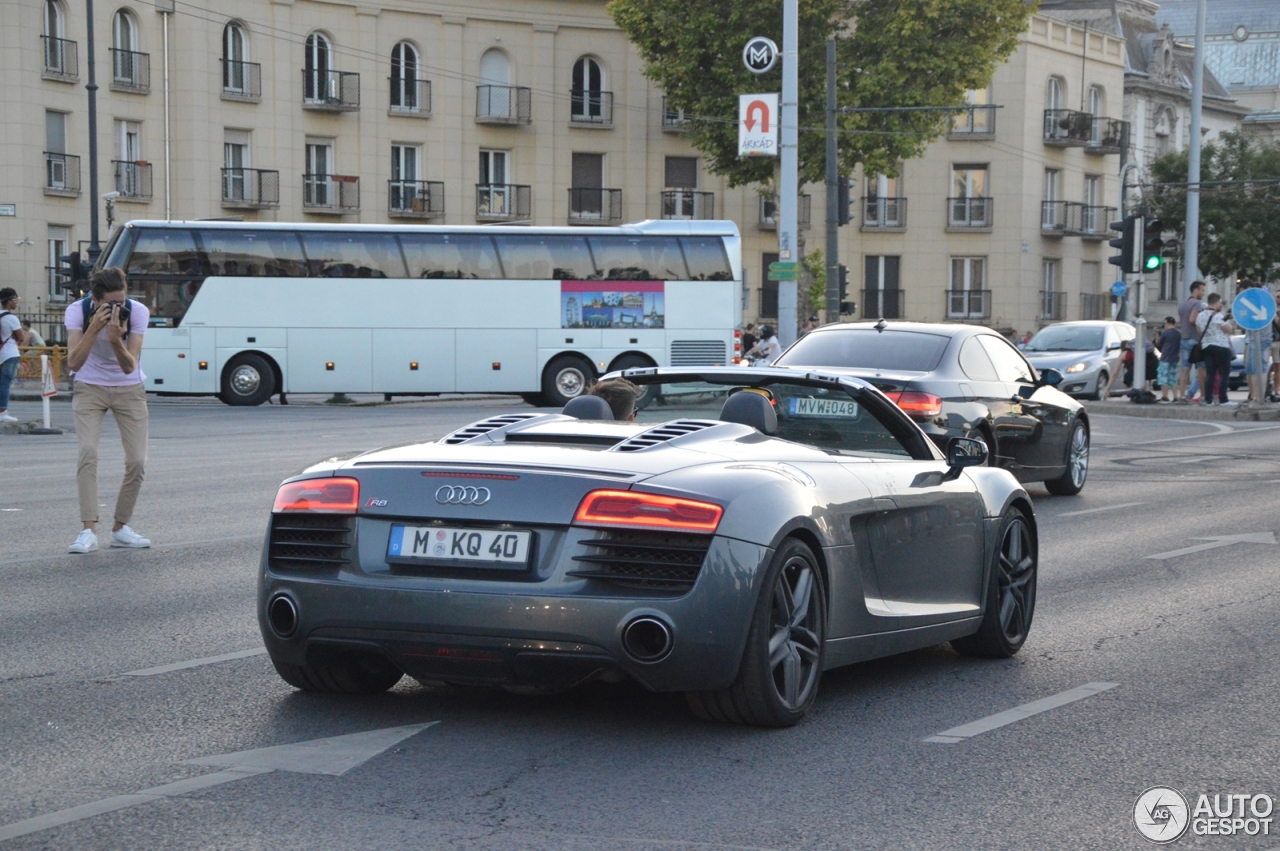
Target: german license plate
500 548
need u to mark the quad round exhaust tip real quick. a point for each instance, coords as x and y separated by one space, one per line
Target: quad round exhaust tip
282 615
647 639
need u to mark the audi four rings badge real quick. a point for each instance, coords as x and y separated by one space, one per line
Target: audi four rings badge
458 495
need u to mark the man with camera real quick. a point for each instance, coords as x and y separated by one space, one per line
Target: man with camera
104 342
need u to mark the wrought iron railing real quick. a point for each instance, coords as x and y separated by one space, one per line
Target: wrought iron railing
969 212
503 201
416 199
241 79
595 206
130 70
884 304
1067 127
974 122
336 192
250 187
1095 306
331 91
884 212
503 105
61 173
133 179
590 107
1105 136
1094 221
409 95
688 204
60 58
968 304
769 212
1053 305
673 120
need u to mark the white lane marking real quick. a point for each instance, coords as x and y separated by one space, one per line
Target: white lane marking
1216 541
1098 510
1221 429
1026 710
333 756
195 663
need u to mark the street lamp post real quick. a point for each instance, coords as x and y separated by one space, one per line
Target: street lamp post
788 291
95 247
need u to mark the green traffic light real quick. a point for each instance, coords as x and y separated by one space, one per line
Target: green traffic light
1153 263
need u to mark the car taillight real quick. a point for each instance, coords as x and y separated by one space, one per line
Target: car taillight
647 511
917 405
319 496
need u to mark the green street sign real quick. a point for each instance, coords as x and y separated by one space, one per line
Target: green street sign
784 266
784 275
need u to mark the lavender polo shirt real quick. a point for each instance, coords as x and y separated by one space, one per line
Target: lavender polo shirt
101 367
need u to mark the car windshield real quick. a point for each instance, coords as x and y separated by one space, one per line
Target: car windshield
828 418
1066 338
907 351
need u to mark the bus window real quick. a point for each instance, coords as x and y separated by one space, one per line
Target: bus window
545 257
117 251
353 255
706 258
257 253
450 255
165 251
638 258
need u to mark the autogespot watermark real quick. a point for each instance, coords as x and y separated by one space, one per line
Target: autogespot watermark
1163 814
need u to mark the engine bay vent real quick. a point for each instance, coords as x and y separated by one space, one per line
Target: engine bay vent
483 427
663 433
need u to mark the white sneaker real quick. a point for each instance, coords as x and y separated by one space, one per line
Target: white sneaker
86 542
1229 404
5 418
126 537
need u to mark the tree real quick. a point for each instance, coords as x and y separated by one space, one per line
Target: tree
1239 222
889 53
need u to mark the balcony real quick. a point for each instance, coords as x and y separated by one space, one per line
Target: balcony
969 214
502 202
884 214
1067 128
60 59
1095 306
595 206
415 199
673 120
133 180
241 80
130 71
884 304
591 109
330 91
688 204
250 188
1105 136
1053 306
1094 222
968 304
410 97
330 193
503 105
61 174
769 212
1057 218
974 122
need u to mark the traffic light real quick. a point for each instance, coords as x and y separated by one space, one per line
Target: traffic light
1152 244
842 201
77 271
1126 242
842 279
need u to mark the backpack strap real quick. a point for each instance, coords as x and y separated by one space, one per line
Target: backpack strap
6 340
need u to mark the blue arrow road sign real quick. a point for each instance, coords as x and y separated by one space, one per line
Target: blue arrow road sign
1254 309
1118 289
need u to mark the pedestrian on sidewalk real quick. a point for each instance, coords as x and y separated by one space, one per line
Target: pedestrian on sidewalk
1170 346
1275 353
33 336
11 337
1216 345
104 342
1188 313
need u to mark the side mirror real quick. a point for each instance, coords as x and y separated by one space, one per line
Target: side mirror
1050 377
965 452
1112 347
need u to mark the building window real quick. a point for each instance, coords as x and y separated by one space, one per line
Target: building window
318 190
405 94
494 68
588 91
967 297
132 172
1050 297
979 118
1169 279
318 62
494 194
1055 93
969 204
59 59
54 22
404 176
883 207
235 55
1051 212
881 296
1097 105
235 163
124 38
59 242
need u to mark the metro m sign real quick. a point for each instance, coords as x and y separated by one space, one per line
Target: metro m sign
758 125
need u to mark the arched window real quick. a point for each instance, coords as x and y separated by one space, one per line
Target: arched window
318 62
124 52
235 56
494 98
55 50
494 68
54 23
405 93
588 90
1097 103
1054 94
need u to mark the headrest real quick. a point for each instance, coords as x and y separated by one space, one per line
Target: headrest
752 409
588 408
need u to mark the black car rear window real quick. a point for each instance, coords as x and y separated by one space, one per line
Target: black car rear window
910 351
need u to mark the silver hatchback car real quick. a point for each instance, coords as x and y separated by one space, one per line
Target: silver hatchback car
1087 353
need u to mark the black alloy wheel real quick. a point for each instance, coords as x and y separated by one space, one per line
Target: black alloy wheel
1011 593
247 379
1071 482
782 666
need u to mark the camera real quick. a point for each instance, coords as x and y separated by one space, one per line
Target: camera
119 311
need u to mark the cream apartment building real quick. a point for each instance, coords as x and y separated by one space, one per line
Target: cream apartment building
300 110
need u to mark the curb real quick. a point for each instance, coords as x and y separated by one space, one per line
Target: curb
1213 413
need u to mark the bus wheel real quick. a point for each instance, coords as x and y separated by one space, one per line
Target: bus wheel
248 380
565 378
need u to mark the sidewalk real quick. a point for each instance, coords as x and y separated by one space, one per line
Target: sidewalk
1124 408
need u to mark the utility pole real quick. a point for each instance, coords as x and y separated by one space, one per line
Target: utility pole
95 247
1191 247
788 249
833 193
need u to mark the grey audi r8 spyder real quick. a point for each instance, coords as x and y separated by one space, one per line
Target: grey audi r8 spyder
769 525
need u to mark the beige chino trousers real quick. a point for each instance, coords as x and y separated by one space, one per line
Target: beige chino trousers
129 406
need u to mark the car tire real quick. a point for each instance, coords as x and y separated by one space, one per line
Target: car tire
248 379
649 391
340 674
1100 389
1071 482
777 689
566 377
1011 593
534 399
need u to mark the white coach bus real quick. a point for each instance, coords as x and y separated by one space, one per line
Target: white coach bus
246 310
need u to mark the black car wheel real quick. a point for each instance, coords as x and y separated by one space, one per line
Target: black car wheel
565 378
342 674
1011 593
1071 482
782 665
1100 389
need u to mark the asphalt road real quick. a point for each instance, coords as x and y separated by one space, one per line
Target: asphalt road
1189 642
